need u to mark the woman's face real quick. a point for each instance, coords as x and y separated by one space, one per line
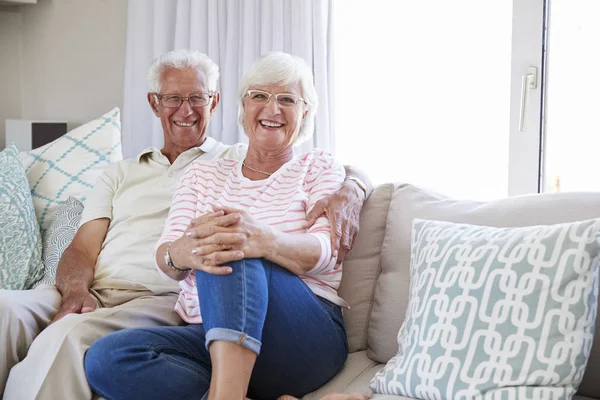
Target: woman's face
273 125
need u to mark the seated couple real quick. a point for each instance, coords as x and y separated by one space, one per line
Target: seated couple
248 238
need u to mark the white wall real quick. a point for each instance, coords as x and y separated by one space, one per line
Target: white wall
10 66
72 59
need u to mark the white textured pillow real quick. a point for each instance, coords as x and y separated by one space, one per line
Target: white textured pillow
60 235
70 165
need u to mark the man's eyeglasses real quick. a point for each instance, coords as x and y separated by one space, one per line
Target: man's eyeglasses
175 101
261 98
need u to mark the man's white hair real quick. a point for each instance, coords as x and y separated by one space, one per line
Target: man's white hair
277 68
183 59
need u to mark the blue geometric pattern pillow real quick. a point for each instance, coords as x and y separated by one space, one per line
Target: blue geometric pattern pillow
504 313
70 165
20 241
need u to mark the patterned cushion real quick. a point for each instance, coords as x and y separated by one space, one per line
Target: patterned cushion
20 241
496 312
70 165
59 236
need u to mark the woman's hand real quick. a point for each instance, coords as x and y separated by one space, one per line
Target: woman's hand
209 241
259 237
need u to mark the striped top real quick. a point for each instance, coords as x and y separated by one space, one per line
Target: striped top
282 201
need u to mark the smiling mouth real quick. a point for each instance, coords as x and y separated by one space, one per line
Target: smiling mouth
270 124
184 124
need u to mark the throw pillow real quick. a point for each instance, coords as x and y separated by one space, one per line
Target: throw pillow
496 312
59 236
70 165
20 241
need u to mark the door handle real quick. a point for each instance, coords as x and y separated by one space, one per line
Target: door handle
528 82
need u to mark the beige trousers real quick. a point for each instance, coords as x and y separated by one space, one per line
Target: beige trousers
39 361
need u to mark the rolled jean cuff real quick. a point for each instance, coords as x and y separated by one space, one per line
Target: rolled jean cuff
233 336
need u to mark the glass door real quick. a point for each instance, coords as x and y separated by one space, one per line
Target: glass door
572 102
431 92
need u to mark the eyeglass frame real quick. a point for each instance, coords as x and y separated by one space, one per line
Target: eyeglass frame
159 98
300 99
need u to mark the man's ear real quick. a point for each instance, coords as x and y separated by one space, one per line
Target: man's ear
153 101
215 102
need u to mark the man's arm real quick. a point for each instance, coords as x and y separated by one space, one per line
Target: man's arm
343 210
76 267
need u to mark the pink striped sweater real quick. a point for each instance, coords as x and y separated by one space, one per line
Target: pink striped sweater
283 200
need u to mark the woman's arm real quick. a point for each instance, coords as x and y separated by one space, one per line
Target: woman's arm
300 253
207 243
186 235
181 213
201 243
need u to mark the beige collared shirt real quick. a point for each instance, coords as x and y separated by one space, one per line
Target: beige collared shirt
135 194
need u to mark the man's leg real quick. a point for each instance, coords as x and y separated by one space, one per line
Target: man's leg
23 315
53 368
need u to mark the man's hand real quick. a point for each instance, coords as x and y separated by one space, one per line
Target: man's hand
76 303
208 242
343 210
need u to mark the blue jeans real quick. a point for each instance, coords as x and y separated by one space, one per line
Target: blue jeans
299 338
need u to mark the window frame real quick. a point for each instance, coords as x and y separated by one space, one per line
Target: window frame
526 148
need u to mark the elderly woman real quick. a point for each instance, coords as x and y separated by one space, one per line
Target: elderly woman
269 324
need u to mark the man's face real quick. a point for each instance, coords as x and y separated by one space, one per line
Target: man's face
185 126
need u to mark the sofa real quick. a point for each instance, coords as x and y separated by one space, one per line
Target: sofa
376 275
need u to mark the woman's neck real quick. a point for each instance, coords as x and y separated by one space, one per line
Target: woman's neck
268 161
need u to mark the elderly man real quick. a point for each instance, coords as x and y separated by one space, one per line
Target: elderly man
106 278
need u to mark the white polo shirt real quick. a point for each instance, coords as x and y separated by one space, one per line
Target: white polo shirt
135 194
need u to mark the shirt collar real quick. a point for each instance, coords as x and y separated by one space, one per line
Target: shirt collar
206 147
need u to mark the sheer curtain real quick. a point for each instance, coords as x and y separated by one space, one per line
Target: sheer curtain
233 33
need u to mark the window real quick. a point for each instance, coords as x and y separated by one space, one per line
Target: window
572 129
460 97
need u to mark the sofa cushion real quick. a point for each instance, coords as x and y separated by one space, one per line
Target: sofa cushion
410 202
356 366
20 241
70 165
507 312
60 234
361 266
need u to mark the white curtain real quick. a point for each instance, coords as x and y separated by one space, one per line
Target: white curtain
233 33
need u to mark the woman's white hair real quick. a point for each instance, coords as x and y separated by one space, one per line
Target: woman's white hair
183 59
279 68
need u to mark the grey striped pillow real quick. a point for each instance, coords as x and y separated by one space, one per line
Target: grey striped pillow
59 235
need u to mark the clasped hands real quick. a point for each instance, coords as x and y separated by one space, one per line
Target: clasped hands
215 239
228 234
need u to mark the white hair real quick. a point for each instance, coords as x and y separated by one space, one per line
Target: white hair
183 59
279 68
